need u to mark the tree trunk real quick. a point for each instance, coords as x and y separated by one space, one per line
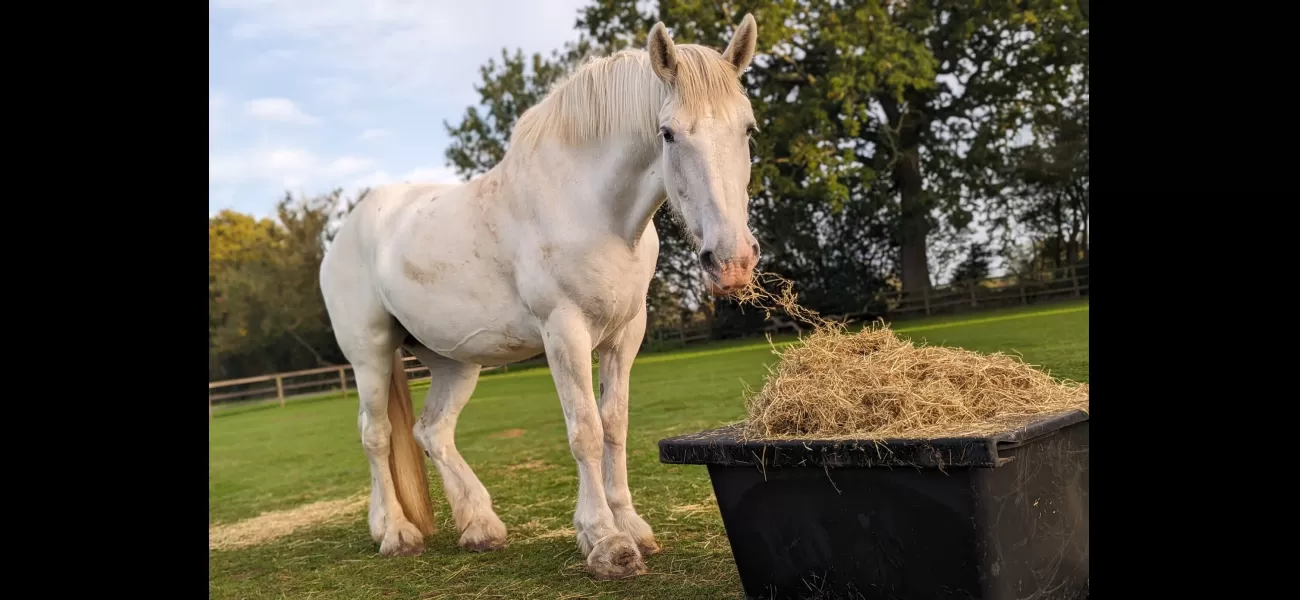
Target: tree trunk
1072 247
1060 231
914 219
1084 198
914 224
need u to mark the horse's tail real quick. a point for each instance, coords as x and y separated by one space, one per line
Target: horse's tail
405 459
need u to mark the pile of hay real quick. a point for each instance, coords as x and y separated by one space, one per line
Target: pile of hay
874 384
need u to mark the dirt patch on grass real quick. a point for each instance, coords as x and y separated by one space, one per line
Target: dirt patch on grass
273 525
532 465
508 434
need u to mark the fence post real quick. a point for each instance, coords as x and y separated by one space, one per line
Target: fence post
1074 276
279 389
925 296
343 381
1020 284
209 407
973 303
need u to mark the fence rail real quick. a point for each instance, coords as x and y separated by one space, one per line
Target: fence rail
1065 282
340 377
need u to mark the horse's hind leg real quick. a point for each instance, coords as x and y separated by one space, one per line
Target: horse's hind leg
400 537
451 386
368 337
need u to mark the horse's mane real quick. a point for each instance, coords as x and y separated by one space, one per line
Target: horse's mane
620 93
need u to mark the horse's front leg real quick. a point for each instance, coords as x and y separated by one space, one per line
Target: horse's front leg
611 554
615 378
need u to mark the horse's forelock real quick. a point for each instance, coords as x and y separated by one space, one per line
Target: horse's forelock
621 94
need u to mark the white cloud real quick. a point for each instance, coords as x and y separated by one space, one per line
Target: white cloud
348 165
352 66
283 167
278 109
374 135
403 47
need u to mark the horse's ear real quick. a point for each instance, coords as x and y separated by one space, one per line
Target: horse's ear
741 49
663 54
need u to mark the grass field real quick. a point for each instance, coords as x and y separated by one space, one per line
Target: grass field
264 458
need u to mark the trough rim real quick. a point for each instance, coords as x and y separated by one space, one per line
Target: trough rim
723 447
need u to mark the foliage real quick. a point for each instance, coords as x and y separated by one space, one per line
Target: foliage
975 266
887 128
880 121
1044 194
265 310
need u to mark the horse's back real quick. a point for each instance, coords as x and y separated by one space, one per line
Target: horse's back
385 206
350 258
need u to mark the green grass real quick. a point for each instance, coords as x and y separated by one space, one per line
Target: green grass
267 458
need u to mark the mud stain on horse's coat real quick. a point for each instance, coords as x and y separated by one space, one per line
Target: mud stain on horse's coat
423 275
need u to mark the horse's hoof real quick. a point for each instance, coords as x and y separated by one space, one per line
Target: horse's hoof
632 524
402 539
484 535
616 557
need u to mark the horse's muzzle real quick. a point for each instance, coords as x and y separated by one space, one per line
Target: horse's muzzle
729 281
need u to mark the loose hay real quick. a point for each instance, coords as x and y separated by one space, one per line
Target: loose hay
270 526
874 384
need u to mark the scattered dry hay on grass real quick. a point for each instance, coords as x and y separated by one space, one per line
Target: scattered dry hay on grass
538 530
874 384
273 525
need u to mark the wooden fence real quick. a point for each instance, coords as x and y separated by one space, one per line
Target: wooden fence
993 292
310 382
1008 290
1062 283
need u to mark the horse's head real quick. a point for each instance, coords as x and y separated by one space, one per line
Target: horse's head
705 127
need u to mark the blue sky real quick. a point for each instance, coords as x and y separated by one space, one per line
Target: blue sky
309 95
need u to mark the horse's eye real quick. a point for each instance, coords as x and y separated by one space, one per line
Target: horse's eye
751 130
667 133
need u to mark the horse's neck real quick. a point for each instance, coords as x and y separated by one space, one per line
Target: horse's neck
614 186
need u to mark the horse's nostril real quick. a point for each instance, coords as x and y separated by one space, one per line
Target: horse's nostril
706 258
755 249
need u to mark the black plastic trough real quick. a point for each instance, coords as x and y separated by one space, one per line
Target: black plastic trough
988 518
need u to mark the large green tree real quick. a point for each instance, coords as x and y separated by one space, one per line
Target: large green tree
880 121
265 310
1041 192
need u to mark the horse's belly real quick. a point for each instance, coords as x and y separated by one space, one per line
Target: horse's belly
489 344
481 328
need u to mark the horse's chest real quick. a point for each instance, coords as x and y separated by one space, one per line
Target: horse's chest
607 287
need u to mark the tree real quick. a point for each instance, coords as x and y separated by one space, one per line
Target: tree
882 122
236 242
1044 193
265 310
975 266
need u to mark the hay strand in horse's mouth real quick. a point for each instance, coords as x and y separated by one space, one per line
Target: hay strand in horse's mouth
873 384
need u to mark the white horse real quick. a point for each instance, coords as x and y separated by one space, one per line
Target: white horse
552 251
